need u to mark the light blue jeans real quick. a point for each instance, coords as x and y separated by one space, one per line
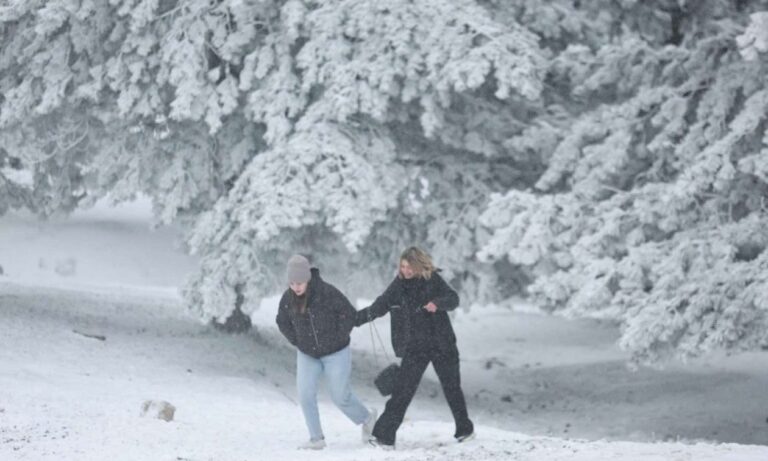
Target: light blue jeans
337 368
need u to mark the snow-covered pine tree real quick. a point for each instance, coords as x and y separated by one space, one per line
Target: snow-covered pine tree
372 112
614 152
381 107
650 206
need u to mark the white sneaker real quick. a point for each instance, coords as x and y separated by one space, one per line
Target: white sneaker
466 437
318 444
367 426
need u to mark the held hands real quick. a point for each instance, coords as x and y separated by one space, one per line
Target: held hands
431 307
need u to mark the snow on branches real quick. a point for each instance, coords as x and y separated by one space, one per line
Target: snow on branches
754 40
650 209
327 175
610 155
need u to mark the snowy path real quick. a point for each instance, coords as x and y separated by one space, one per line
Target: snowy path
64 396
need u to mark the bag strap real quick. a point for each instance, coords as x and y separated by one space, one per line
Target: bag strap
373 329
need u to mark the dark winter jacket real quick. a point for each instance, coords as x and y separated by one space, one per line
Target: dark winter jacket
324 326
412 325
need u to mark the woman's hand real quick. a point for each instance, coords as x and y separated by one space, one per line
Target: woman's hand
431 307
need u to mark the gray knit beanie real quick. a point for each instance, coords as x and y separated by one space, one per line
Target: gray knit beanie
298 269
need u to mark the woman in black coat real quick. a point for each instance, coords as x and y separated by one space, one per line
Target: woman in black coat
418 301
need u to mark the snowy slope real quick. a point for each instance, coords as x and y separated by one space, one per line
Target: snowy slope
96 249
65 396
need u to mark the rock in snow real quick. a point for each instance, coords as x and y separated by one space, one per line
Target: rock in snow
159 409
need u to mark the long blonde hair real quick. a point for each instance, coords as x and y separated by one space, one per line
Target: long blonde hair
419 260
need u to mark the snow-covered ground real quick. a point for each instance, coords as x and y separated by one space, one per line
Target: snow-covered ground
538 388
94 249
67 396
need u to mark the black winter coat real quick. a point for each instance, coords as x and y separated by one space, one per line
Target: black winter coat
413 327
324 326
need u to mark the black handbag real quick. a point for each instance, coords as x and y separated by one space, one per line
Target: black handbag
387 379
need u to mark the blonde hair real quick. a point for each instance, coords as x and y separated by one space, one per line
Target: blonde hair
420 261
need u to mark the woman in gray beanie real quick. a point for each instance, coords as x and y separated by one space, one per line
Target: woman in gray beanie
317 318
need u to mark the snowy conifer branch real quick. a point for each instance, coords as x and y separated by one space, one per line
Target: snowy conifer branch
609 158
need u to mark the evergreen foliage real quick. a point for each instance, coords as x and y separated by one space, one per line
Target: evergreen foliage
649 209
609 157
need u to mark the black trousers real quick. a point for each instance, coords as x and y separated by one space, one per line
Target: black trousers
446 364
